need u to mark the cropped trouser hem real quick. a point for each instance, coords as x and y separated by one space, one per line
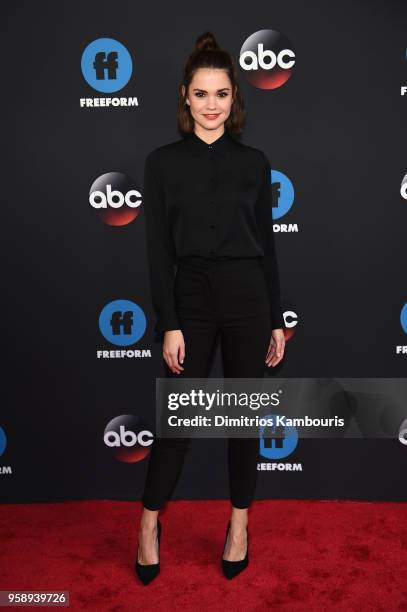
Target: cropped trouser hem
168 456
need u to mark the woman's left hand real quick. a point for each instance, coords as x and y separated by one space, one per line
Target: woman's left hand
276 348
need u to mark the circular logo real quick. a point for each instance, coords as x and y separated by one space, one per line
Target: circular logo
106 65
403 188
403 318
403 432
129 437
277 442
3 441
267 58
282 194
122 322
116 198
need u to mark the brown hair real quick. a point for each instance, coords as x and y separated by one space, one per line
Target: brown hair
208 54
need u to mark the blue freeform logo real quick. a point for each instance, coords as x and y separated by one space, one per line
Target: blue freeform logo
403 318
3 441
282 194
122 322
106 65
276 441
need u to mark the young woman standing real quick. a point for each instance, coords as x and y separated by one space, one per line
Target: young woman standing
207 202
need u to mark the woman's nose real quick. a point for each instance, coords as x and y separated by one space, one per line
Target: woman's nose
211 104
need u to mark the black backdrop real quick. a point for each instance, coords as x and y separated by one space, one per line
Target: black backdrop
336 128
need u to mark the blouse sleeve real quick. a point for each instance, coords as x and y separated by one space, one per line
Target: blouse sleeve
270 264
160 250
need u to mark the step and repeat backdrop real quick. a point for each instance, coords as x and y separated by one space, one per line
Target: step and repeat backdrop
89 89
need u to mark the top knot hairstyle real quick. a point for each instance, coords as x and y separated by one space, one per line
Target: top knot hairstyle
208 54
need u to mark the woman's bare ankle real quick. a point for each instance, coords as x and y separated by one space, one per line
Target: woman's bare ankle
239 518
148 519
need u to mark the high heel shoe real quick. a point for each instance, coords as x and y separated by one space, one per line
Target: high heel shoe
233 568
147 573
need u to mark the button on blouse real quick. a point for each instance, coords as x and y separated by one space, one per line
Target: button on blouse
213 201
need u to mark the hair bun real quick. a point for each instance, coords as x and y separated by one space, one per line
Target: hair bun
206 41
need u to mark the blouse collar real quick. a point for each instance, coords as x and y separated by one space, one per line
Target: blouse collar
221 145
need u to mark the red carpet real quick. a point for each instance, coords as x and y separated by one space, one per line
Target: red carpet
304 555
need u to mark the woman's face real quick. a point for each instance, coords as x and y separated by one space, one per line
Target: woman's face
209 97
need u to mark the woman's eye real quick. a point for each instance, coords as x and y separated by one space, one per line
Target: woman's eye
201 94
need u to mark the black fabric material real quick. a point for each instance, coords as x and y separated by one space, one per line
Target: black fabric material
211 201
214 302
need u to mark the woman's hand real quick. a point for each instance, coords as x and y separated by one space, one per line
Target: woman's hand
275 351
174 350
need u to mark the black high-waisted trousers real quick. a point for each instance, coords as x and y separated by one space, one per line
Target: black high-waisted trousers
229 298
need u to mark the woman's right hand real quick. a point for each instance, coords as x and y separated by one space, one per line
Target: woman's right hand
174 350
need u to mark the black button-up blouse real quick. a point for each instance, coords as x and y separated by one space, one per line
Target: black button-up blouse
212 201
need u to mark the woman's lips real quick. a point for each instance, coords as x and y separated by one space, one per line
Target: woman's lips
212 116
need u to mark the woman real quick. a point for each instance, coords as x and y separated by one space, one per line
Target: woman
208 211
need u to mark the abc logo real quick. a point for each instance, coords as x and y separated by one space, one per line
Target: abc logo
115 198
403 432
403 188
129 437
267 58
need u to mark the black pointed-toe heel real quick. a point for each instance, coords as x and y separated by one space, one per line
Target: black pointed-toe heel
147 573
233 568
